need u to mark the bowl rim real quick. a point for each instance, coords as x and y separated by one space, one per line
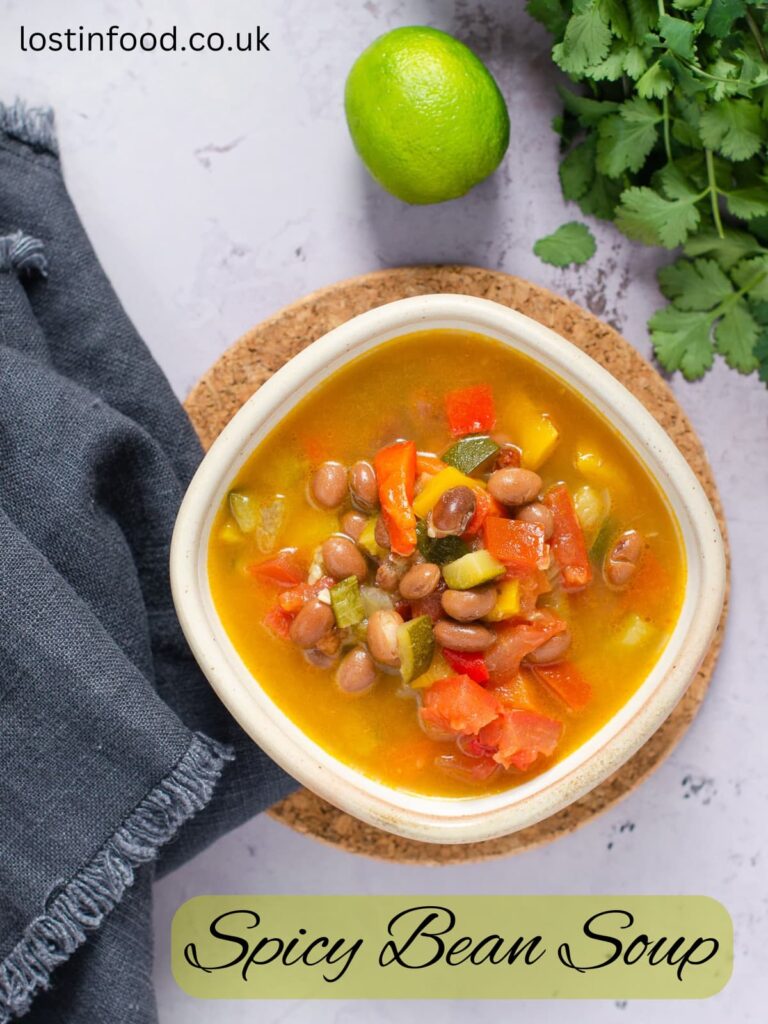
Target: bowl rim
444 819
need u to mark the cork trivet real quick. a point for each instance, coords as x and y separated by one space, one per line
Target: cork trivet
263 349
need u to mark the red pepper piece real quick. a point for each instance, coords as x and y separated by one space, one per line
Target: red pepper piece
395 468
470 410
468 663
567 682
284 568
517 544
568 544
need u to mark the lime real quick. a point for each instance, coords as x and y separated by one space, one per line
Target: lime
425 115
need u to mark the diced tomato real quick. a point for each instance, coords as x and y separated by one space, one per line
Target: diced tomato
429 464
395 468
519 691
520 737
517 544
467 769
568 544
567 682
517 640
404 610
470 410
430 605
292 600
468 663
485 506
458 704
284 569
278 621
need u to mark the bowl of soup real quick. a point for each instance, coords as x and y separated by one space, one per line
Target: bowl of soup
446 570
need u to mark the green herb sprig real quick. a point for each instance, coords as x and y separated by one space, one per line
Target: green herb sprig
668 138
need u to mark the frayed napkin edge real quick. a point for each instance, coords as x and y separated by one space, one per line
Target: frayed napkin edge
81 905
32 125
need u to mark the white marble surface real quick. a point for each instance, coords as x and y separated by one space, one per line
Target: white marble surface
216 188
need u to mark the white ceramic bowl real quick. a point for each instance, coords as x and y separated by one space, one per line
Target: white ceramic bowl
433 819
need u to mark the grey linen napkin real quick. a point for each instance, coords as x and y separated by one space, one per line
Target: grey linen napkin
116 759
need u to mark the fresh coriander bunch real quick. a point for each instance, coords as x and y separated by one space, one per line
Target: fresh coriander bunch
667 138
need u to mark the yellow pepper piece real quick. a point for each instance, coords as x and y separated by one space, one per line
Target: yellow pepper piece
438 485
597 470
230 534
507 603
367 540
533 432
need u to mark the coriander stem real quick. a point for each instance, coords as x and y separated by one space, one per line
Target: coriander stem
662 12
713 192
754 28
667 139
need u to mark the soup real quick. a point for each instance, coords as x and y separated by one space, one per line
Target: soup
445 566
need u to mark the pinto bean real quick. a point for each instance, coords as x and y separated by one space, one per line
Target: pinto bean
382 636
621 562
357 671
419 581
342 558
508 455
363 486
468 605
539 515
353 524
513 486
452 512
381 533
329 485
460 636
551 650
314 620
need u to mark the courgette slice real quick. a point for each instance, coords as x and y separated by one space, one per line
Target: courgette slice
473 569
346 602
416 645
439 550
470 453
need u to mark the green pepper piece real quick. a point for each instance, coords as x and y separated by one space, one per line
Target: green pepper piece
470 453
439 550
245 511
473 569
416 645
346 602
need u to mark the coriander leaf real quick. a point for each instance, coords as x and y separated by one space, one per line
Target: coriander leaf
761 354
601 198
586 41
752 276
721 16
734 127
674 181
655 83
727 250
625 139
552 14
679 35
588 111
610 69
577 169
634 61
643 15
571 243
748 202
646 216
614 12
735 337
682 341
694 284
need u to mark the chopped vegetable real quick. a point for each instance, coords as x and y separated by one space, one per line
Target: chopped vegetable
592 507
367 540
485 506
635 631
519 737
374 599
471 453
516 641
271 517
278 622
459 705
348 608
468 663
470 770
230 534
470 410
438 669
519 691
436 486
428 463
567 682
507 603
395 468
534 433
602 541
439 550
292 600
416 645
517 544
285 569
567 539
245 511
471 570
